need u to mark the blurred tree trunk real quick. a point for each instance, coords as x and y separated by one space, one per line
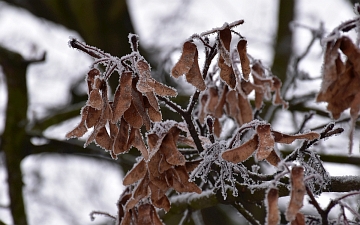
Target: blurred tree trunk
283 49
283 43
14 139
104 24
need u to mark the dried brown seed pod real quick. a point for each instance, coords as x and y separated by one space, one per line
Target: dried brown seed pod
244 60
141 191
188 65
266 141
95 99
136 173
138 101
136 140
273 158
212 100
103 139
120 144
288 139
273 214
298 191
93 116
81 128
299 219
224 62
132 116
245 108
159 198
232 104
122 97
243 152
219 109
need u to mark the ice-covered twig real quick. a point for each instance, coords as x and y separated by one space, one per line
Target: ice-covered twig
214 30
343 27
93 213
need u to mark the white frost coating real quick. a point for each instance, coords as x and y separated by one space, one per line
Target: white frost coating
336 33
226 179
190 197
313 170
161 129
136 37
215 30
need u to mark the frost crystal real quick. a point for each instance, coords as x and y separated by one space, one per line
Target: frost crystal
317 177
227 171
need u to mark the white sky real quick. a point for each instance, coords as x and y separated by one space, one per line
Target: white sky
49 82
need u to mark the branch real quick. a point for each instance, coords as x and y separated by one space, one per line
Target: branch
214 30
249 194
341 159
14 139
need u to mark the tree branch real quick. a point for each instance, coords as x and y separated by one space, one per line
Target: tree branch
248 194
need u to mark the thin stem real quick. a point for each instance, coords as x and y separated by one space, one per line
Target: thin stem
93 213
313 201
306 119
92 51
172 105
188 119
231 25
250 218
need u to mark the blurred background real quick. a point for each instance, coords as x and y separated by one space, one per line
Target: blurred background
45 179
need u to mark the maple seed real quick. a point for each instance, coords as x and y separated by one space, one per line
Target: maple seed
188 65
297 192
80 129
147 84
241 153
95 99
244 60
136 173
272 207
121 140
288 139
226 72
299 219
122 98
266 141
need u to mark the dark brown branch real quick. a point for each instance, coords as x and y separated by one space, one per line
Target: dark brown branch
92 51
188 119
316 205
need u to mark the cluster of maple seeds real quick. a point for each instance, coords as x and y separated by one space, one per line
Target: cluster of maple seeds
135 105
165 168
341 81
116 124
231 96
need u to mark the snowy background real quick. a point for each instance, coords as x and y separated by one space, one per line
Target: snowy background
74 186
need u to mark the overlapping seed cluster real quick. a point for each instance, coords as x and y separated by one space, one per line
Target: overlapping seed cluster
116 124
163 169
341 81
231 95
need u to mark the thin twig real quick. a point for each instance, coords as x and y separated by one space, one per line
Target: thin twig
316 204
188 119
307 117
214 30
241 209
93 213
